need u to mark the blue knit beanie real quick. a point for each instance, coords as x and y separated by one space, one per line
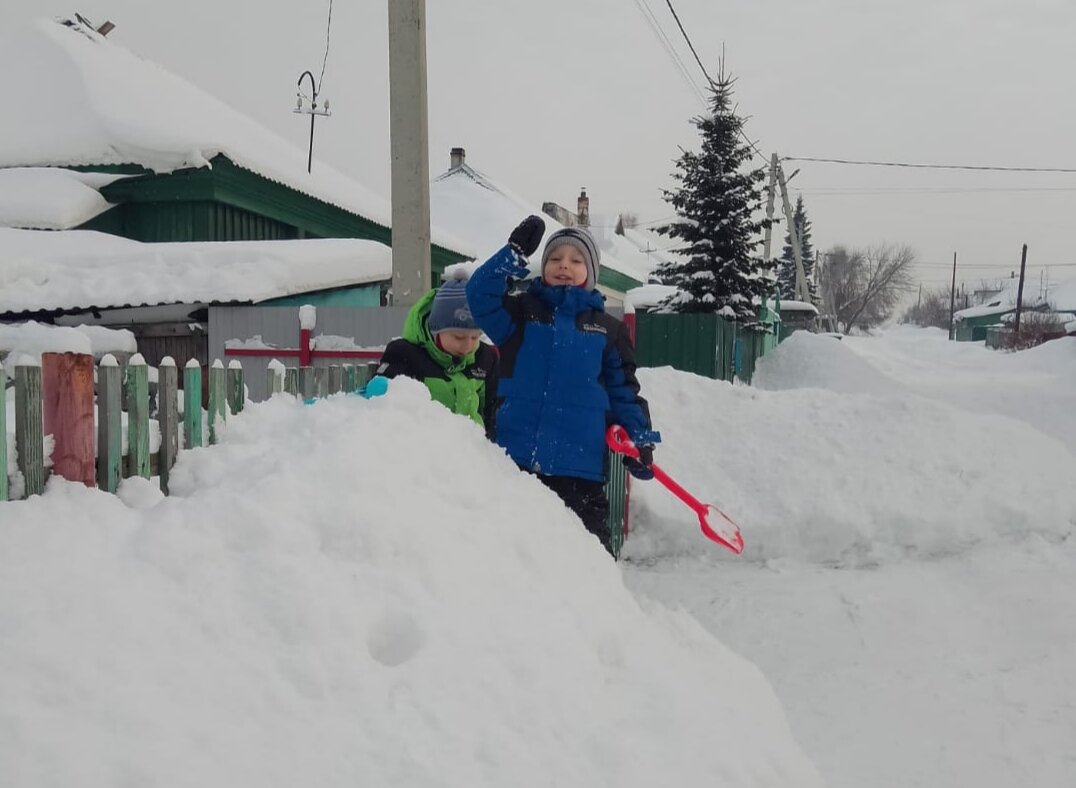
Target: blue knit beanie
449 310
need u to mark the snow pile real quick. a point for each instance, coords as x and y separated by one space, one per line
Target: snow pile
32 339
78 269
854 470
306 612
45 198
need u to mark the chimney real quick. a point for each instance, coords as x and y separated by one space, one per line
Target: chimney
457 157
583 208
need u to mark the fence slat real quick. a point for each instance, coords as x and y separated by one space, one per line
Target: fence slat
192 405
67 392
167 418
291 381
336 379
3 434
236 390
347 372
274 377
321 382
307 390
109 424
29 430
137 417
362 375
218 408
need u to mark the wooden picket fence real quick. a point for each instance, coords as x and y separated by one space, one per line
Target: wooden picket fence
58 399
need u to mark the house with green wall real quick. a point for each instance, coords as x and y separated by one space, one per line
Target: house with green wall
170 162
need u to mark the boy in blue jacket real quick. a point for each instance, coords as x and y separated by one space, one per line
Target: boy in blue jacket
567 368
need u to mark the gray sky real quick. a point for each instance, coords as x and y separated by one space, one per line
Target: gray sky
551 95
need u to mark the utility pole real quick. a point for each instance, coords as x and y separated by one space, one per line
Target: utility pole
802 293
919 303
410 151
772 193
1020 291
952 298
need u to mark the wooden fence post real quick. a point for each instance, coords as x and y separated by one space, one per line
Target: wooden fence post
109 424
29 432
237 394
347 372
275 378
321 382
307 390
218 408
167 418
336 379
3 434
67 394
192 404
137 417
291 381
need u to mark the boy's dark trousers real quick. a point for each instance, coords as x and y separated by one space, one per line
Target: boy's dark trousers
587 499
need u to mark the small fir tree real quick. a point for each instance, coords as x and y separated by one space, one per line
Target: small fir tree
718 200
786 267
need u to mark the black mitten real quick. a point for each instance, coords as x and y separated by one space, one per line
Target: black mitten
526 237
640 468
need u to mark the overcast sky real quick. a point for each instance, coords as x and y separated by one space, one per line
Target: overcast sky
551 95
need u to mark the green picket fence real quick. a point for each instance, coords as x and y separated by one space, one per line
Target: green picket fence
62 408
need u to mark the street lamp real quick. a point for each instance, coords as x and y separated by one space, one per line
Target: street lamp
313 111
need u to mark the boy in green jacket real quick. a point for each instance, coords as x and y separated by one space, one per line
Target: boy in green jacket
441 346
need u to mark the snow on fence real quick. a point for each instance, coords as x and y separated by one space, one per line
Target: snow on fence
66 425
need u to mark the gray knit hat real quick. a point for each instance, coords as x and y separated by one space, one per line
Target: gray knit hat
449 310
582 240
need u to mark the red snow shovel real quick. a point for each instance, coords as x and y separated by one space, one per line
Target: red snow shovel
728 536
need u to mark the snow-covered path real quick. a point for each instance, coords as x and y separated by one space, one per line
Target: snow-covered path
924 652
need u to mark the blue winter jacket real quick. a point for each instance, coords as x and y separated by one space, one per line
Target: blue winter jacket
567 371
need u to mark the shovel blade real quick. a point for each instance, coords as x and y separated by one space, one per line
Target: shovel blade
719 527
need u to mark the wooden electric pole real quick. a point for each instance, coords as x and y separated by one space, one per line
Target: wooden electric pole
410 151
802 293
1020 291
771 194
952 298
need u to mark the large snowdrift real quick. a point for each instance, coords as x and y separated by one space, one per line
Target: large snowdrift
839 464
354 593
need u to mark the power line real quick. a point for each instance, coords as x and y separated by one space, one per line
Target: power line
882 191
670 50
691 46
980 168
325 60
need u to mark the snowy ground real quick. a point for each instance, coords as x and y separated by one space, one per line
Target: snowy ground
369 593
354 593
910 573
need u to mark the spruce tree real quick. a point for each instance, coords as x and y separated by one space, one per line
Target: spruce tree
718 199
786 268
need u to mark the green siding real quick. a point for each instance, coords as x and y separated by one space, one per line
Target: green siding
228 203
616 281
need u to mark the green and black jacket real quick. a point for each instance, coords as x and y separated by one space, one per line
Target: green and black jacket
467 386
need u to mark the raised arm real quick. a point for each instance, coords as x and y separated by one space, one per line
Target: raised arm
487 289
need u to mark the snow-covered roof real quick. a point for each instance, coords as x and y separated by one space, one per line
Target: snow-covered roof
50 198
647 296
798 306
84 100
637 249
79 269
483 213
